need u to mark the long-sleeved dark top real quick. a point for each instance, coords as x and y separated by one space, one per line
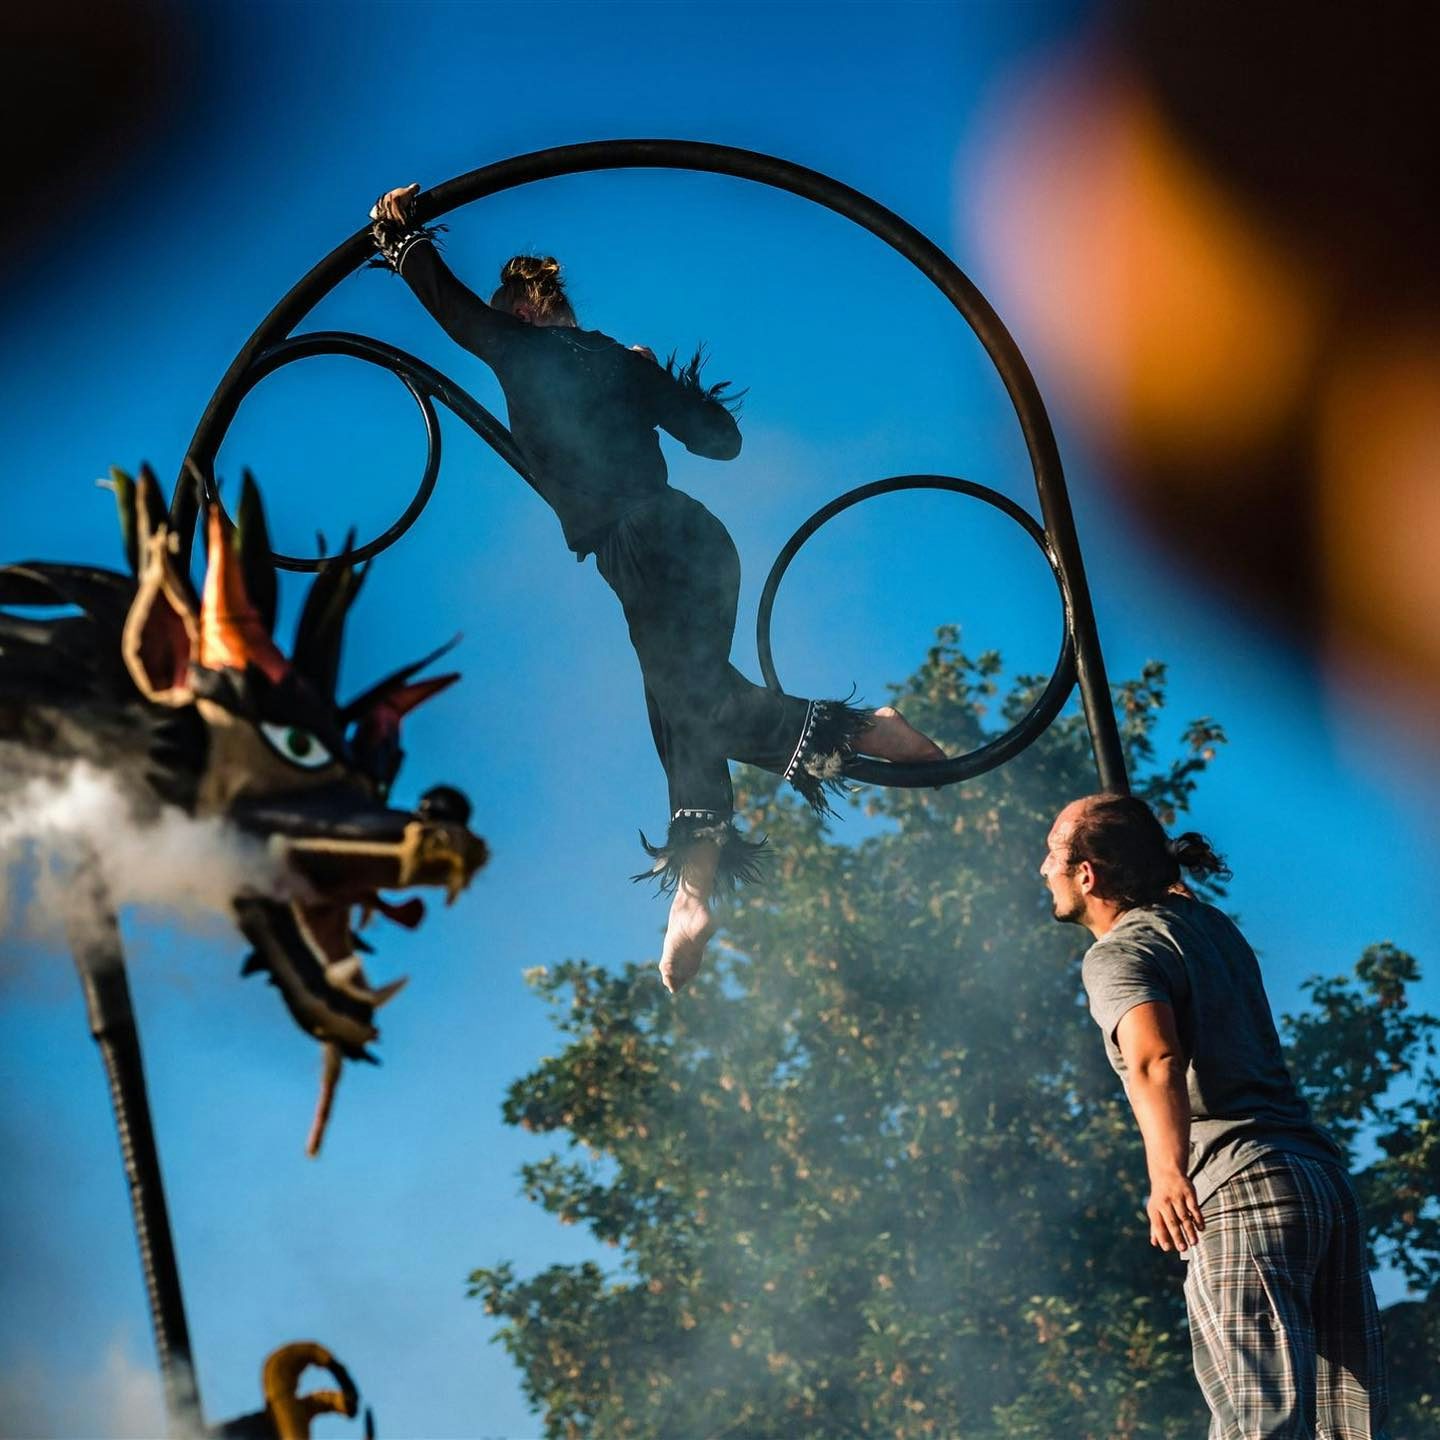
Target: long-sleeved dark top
582 407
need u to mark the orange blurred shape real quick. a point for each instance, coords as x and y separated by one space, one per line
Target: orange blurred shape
1178 327
1379 471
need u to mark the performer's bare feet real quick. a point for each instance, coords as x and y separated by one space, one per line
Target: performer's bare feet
691 922
892 737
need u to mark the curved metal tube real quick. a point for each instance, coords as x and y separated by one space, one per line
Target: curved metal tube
423 381
782 175
994 752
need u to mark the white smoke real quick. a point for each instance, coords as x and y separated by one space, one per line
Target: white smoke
52 824
120 1398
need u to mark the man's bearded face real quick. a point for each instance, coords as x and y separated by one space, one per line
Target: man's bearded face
1067 898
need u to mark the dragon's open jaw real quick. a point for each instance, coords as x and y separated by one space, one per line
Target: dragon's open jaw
332 931
308 945
309 953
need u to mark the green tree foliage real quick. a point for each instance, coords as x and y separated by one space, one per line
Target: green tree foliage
871 1175
1346 1051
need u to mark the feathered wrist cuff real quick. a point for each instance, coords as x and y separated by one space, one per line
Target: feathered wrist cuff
394 238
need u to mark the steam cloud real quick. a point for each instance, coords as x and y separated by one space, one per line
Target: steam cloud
120 1398
51 823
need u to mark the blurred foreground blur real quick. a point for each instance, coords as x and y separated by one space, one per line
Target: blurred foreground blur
1214 228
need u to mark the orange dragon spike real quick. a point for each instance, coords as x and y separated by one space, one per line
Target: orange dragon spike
232 634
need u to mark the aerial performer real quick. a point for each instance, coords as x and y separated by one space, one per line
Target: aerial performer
583 409
1243 1183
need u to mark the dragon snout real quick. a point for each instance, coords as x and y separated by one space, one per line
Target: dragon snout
441 852
345 845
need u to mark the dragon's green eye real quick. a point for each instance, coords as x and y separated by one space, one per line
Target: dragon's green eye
297 745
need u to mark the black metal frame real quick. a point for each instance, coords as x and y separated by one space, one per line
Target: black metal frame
272 346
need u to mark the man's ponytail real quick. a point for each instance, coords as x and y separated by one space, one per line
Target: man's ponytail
1192 853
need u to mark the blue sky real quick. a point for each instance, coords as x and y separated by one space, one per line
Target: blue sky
856 370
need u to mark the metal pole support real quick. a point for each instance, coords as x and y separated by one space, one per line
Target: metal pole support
95 943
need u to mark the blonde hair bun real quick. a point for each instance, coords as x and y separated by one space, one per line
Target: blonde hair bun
542 272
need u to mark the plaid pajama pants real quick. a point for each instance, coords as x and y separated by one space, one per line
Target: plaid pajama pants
1283 1322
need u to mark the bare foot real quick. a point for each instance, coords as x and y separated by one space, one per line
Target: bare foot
892 737
690 928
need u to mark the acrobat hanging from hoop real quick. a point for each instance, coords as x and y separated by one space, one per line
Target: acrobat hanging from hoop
584 410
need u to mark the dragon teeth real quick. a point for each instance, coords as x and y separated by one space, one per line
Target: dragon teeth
349 976
346 972
386 993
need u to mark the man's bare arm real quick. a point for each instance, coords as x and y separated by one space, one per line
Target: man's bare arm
1155 1069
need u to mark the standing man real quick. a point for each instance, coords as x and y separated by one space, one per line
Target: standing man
1283 1321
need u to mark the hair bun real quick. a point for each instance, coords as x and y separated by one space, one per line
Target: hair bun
540 271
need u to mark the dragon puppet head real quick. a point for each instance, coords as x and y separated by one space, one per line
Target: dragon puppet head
188 700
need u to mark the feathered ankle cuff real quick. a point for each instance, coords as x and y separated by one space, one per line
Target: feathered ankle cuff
817 768
740 859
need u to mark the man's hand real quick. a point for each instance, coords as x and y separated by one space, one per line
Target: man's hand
646 351
1175 1218
394 206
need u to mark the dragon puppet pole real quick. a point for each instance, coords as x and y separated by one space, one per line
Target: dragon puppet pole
95 943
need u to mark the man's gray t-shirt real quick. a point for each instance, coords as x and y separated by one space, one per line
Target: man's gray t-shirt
1191 957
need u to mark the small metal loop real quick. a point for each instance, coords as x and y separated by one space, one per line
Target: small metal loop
302 347
425 385
994 752
418 501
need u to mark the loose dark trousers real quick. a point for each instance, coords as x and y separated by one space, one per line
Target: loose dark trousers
1283 1322
677 573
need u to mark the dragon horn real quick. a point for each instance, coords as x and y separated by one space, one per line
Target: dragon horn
232 634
